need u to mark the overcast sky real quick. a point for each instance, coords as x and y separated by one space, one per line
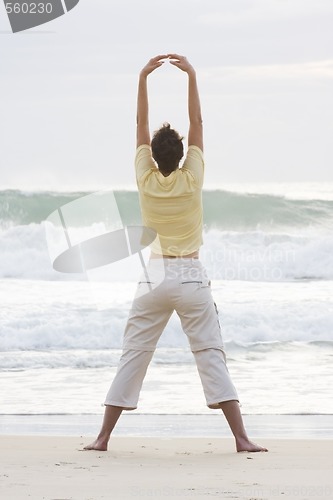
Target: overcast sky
265 73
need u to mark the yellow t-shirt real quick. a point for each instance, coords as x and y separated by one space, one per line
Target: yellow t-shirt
172 205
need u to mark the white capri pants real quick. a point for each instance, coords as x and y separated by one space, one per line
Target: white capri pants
181 285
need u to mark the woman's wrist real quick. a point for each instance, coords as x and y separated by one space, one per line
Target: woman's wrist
191 72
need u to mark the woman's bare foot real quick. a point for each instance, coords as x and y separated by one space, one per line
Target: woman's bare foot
99 445
246 445
111 415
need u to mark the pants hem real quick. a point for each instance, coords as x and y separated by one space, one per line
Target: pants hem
120 405
216 406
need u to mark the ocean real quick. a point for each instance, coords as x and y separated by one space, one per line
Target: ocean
268 250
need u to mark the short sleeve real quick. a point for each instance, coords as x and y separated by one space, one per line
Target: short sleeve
194 163
143 161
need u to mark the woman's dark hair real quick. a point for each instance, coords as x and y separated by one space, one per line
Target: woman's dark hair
167 149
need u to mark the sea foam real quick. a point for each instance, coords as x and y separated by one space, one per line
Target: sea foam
242 255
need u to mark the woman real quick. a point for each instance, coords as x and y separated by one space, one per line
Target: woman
170 200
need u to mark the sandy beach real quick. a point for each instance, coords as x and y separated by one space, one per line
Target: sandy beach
56 468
